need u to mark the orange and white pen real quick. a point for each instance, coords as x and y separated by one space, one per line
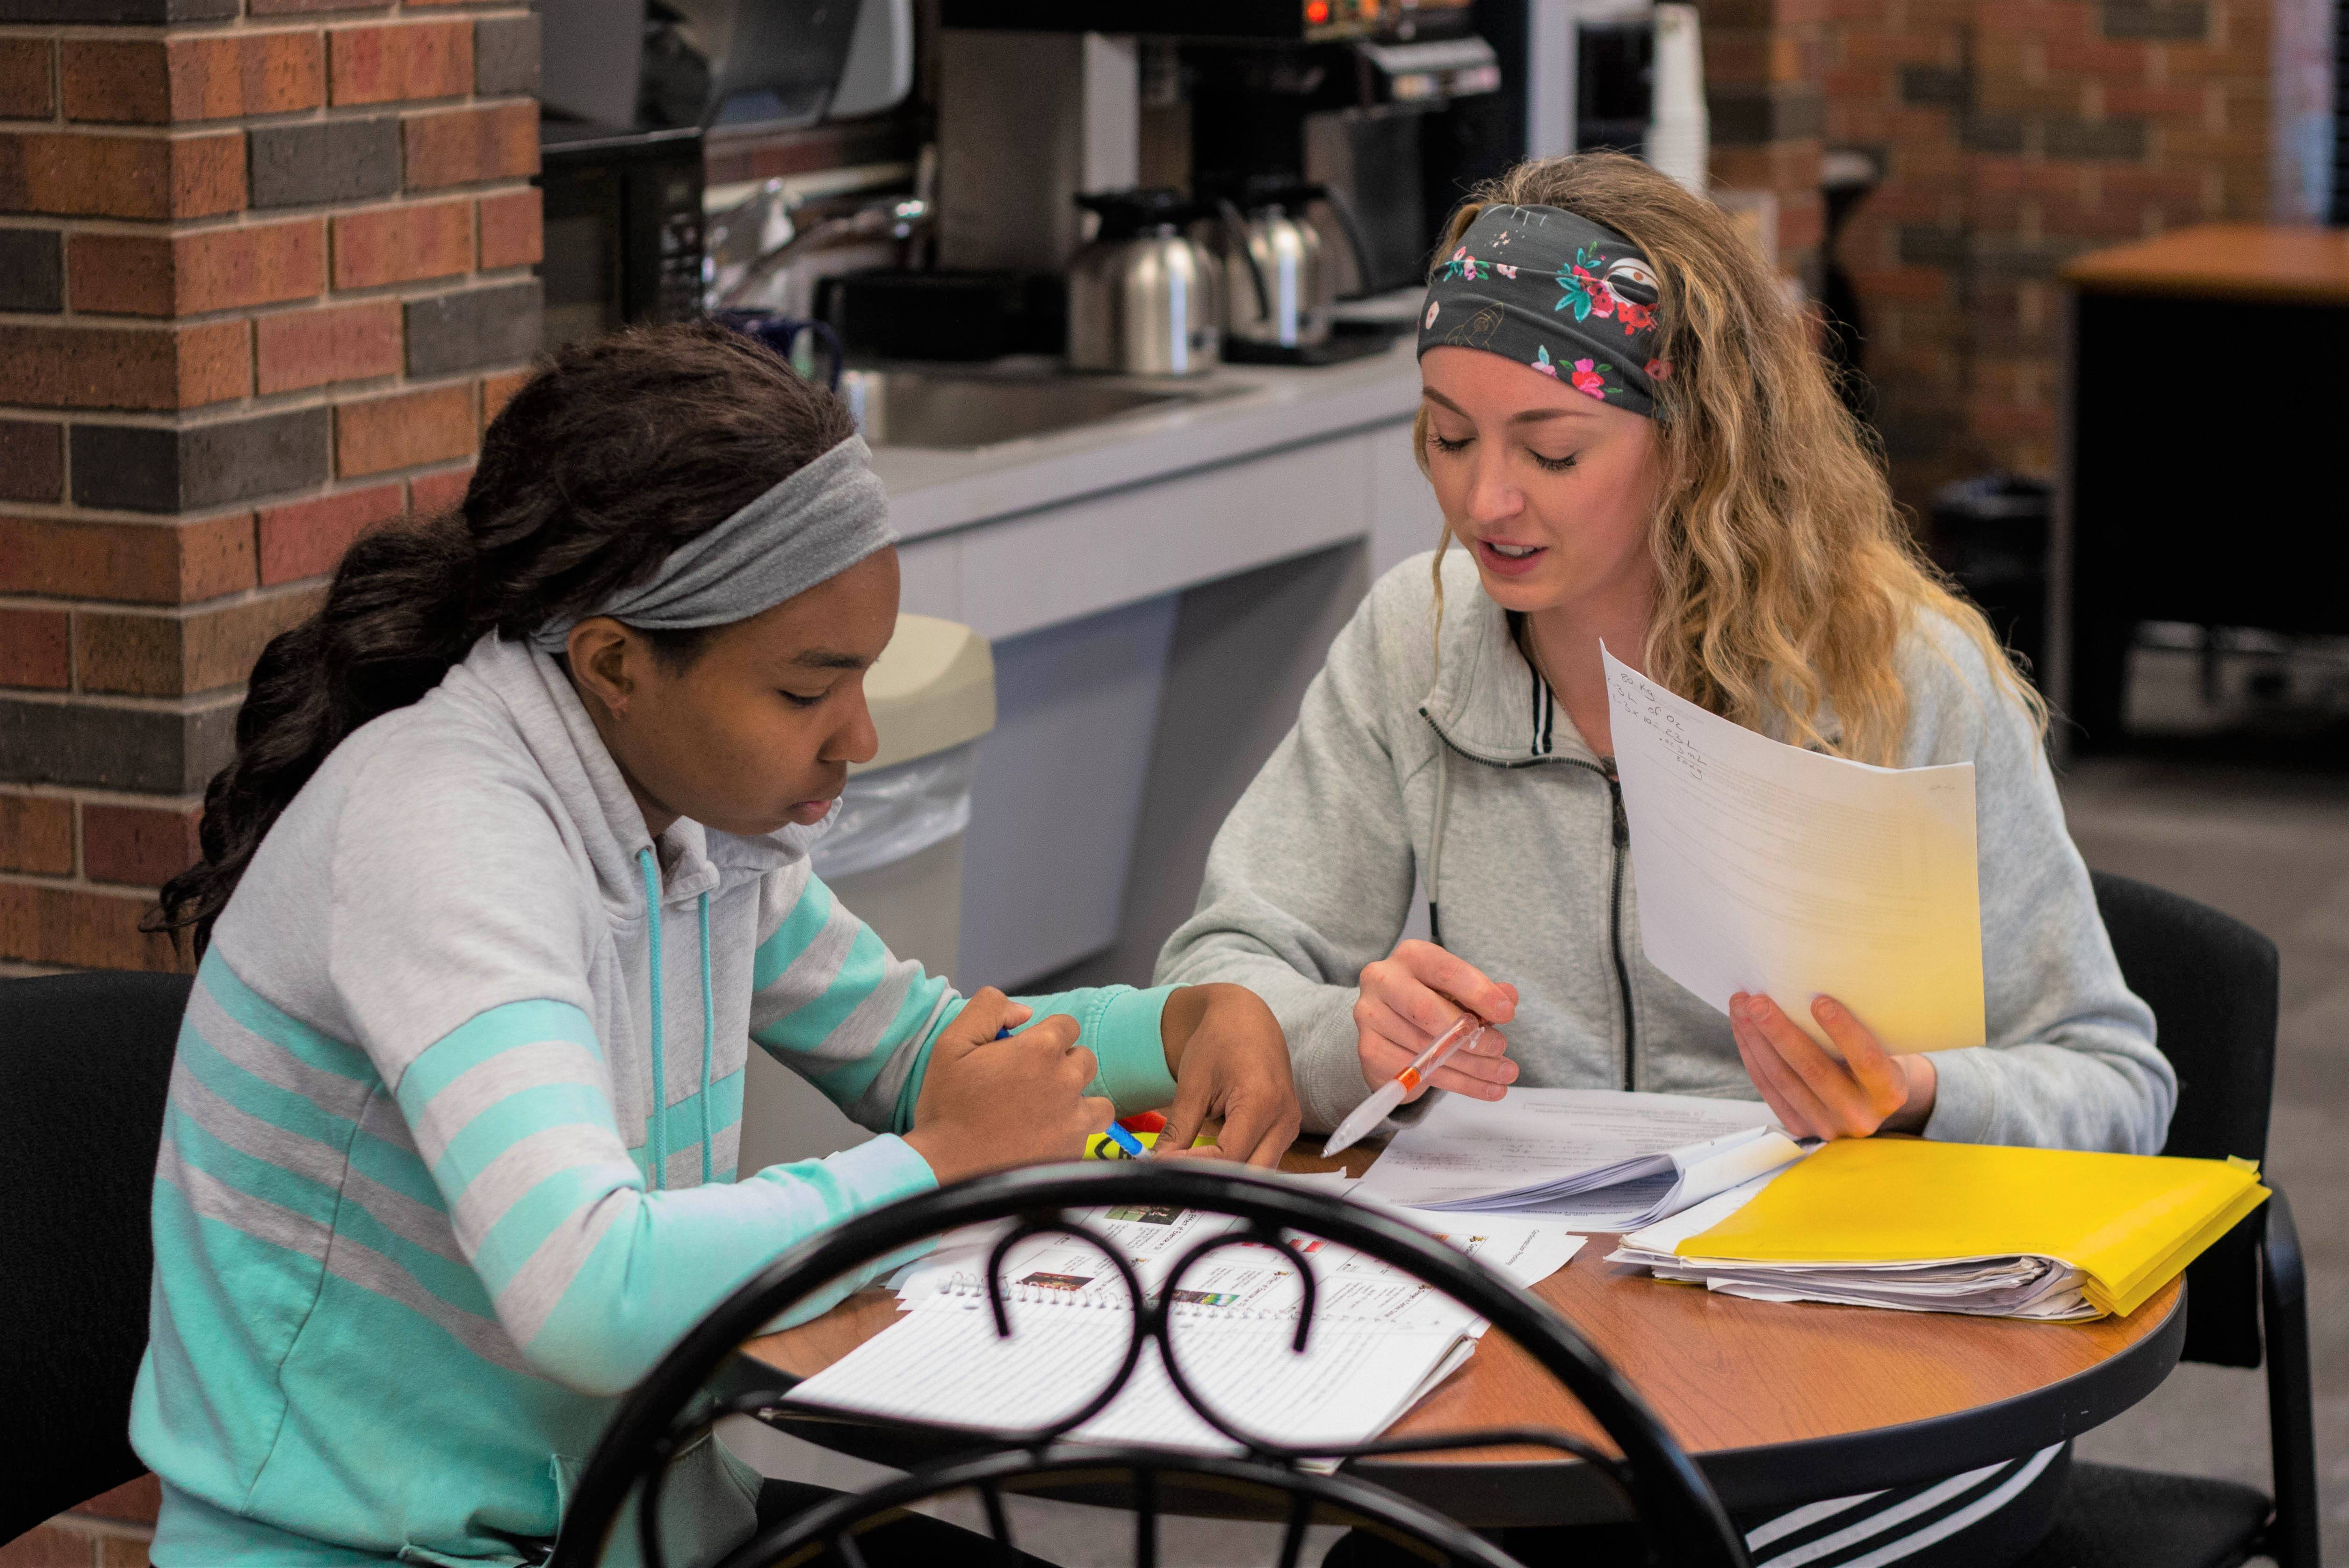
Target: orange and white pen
1389 1095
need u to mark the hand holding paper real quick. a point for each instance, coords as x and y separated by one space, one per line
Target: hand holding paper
1763 868
1859 1091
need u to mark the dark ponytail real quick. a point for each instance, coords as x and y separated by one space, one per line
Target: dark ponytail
616 451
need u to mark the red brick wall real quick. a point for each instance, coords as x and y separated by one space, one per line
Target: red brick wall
1762 63
2015 135
110 1531
266 267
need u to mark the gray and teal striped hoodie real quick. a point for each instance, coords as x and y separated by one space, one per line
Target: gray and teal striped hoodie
448 1162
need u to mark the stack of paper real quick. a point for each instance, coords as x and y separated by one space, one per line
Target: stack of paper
2049 1233
1597 1159
1380 1340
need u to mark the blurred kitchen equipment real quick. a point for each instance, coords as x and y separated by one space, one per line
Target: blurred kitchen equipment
895 313
1678 131
1027 122
1397 107
1279 284
1293 21
809 348
969 410
879 70
1400 130
1990 533
623 224
893 854
775 63
759 247
1143 295
1846 178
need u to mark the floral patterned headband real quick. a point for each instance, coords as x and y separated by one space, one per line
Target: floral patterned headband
1572 298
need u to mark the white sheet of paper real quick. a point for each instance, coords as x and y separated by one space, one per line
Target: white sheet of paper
1764 868
950 1366
1258 1283
1465 1148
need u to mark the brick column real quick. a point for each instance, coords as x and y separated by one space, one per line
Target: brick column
2015 134
1762 65
265 270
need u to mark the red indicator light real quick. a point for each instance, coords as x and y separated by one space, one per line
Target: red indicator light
1316 12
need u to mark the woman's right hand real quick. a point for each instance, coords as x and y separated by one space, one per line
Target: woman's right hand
1414 994
991 1105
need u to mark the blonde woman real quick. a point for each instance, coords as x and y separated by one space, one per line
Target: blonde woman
1633 442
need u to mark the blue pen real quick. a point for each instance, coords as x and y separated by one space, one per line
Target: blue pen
1116 1134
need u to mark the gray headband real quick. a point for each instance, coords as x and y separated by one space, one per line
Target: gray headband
813 526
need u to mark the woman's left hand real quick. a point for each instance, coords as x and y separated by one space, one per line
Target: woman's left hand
1229 1059
1815 1096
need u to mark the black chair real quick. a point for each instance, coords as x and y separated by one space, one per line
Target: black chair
703 1381
2211 983
85 1063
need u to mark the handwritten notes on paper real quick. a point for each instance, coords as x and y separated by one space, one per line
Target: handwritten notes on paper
1764 868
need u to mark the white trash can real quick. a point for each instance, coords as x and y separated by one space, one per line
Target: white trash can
894 856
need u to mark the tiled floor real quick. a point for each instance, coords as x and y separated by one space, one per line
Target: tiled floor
2270 848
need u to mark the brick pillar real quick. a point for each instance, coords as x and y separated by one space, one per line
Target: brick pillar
2015 134
265 268
1762 63
110 1531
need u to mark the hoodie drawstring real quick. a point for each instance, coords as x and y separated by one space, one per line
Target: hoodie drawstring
657 1124
709 1037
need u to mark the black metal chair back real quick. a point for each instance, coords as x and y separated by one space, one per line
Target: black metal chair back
84 1065
1674 1508
2211 980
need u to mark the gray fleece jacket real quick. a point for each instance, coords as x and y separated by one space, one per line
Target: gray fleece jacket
1311 878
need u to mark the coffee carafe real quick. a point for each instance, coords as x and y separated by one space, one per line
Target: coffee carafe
1143 295
1278 285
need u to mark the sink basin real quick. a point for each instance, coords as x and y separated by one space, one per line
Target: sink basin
963 412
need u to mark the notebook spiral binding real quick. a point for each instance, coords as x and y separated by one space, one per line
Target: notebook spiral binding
964 1287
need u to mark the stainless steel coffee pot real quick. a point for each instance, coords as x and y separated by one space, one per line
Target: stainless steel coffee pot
1278 285
1143 298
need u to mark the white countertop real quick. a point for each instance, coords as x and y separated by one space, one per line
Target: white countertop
932 492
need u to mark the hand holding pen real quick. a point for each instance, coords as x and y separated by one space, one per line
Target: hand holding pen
1410 998
989 1104
1114 1133
1459 1037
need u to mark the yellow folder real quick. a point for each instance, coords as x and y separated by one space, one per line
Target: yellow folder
2128 1221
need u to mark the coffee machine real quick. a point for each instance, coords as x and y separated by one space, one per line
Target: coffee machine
1395 105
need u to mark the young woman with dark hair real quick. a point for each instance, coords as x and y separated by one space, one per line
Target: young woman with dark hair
509 871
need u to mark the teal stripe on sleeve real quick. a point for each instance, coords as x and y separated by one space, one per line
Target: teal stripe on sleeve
845 1084
257 1097
248 1008
534 1216
514 1118
865 967
790 939
483 1035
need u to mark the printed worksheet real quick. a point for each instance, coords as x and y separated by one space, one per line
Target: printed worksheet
1764 868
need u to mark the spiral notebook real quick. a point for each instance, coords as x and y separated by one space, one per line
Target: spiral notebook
1380 1340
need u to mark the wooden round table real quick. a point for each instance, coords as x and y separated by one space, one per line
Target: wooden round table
1779 1404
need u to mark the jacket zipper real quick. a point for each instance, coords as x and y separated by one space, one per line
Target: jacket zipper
1614 919
1622 841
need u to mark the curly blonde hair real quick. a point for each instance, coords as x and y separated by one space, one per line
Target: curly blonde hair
1787 573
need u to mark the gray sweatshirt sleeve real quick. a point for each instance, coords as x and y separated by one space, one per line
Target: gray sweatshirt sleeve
2070 1061
1310 876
